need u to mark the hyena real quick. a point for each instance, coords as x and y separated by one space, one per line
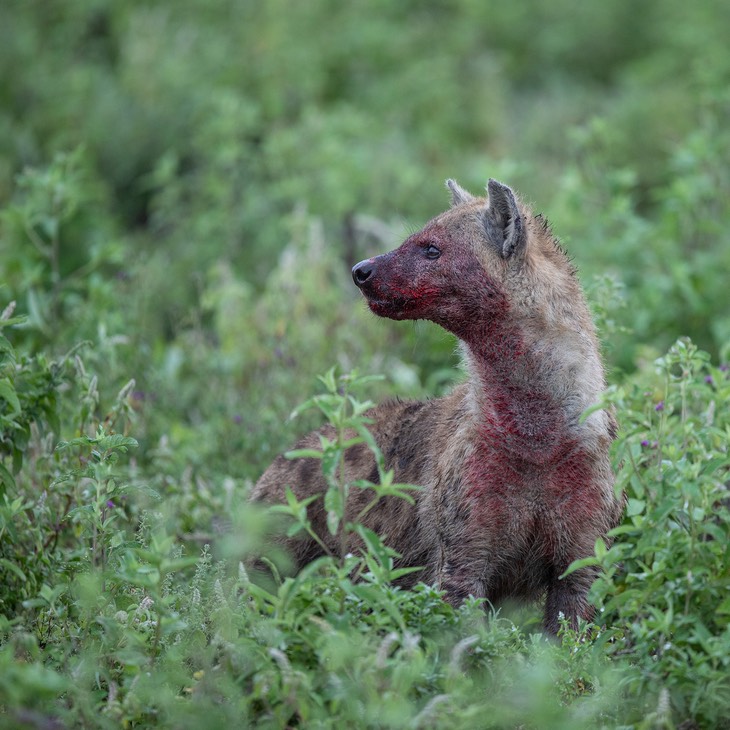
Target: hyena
515 484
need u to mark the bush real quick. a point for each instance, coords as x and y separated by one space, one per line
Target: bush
665 589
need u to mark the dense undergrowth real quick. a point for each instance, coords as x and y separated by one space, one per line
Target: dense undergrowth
113 614
182 191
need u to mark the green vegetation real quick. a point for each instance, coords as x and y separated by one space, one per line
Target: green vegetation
183 187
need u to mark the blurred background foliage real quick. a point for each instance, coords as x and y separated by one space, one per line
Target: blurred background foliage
207 132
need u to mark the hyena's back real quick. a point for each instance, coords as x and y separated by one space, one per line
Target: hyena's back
403 430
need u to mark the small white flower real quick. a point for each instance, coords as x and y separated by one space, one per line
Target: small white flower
121 616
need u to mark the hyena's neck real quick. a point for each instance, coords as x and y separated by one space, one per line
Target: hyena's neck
528 390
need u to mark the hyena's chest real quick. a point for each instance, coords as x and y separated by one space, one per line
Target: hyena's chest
522 509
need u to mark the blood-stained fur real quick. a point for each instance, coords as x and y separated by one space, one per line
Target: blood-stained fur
515 485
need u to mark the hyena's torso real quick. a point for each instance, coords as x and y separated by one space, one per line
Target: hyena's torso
515 485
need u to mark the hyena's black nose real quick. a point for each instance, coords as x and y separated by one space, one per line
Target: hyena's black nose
361 272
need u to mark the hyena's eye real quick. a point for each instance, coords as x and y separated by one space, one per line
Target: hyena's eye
432 252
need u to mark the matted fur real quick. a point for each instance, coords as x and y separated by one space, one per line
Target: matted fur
515 485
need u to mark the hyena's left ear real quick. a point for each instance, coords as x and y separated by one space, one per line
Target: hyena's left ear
503 222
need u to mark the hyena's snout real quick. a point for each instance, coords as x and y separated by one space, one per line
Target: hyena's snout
383 292
362 272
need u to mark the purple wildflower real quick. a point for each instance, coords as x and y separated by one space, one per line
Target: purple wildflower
709 380
110 504
645 443
659 406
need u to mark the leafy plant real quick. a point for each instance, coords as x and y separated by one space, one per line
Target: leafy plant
348 416
664 589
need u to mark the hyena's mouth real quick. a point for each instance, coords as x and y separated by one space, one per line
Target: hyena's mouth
392 308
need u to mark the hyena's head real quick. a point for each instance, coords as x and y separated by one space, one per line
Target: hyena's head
481 259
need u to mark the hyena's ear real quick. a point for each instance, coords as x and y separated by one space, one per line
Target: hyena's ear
458 194
503 221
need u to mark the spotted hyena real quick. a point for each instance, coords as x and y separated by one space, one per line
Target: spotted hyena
515 485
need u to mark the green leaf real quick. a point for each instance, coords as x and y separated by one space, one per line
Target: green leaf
635 507
295 529
301 408
399 572
303 454
13 568
335 506
578 564
10 322
329 380
374 597
169 566
116 441
6 480
712 465
724 608
291 586
376 546
7 391
35 603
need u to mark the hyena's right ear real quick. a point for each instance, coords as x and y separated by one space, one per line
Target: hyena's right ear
458 194
503 221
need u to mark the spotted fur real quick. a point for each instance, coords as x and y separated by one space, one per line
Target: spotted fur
515 485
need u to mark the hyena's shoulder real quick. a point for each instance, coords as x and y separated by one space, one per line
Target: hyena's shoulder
404 431
411 434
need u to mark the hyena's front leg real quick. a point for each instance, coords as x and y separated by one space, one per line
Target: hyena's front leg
461 574
460 583
568 598
460 548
